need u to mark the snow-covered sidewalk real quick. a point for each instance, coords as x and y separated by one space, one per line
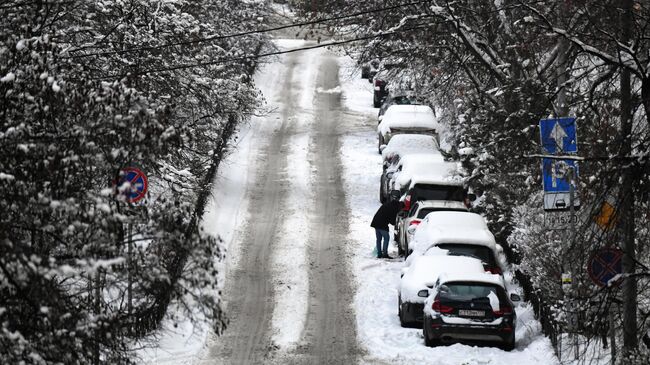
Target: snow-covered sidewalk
378 327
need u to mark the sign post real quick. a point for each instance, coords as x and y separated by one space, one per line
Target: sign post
131 186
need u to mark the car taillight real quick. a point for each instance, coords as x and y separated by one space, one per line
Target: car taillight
407 203
495 270
415 222
503 311
436 306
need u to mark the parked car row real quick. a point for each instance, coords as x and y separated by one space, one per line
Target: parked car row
452 283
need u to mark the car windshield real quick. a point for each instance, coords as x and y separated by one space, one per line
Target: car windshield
472 292
482 253
424 211
437 192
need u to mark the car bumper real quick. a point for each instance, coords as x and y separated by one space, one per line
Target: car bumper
437 330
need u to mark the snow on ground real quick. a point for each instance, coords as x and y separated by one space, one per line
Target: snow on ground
379 331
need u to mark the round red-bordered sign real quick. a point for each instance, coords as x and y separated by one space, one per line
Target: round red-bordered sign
138 184
604 265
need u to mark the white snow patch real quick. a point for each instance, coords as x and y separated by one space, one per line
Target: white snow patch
336 90
9 77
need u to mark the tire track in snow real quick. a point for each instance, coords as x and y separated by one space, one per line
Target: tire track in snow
330 333
249 292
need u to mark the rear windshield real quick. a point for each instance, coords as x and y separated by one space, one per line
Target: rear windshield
469 291
437 192
423 212
482 253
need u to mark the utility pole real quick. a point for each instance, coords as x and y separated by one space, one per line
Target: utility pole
562 110
626 199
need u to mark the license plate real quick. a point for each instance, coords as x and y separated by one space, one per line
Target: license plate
471 313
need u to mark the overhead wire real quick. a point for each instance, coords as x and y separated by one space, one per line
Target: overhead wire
226 60
242 34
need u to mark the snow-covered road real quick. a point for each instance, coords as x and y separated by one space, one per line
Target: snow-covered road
288 291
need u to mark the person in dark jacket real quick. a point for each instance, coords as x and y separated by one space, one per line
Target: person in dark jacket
386 214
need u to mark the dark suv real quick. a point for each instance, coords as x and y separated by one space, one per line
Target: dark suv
467 310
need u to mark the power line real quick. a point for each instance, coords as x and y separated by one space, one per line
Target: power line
241 34
261 55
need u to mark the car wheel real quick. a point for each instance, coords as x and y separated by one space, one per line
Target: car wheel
428 342
510 345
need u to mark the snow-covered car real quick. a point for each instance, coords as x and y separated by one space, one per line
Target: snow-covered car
399 119
469 307
405 168
421 177
400 99
458 234
422 275
402 145
407 221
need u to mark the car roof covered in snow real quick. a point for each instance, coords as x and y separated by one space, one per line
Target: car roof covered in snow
425 270
408 116
452 227
427 168
444 204
403 144
485 277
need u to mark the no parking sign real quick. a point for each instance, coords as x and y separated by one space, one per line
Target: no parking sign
604 265
137 184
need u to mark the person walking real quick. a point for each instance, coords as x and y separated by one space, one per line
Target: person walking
386 214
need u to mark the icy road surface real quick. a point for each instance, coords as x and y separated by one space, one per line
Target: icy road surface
289 294
293 204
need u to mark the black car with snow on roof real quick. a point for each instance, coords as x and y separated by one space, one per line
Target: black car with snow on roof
421 275
470 308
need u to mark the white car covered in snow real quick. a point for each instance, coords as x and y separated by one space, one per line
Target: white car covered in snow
411 119
425 168
469 307
457 234
422 275
403 145
407 221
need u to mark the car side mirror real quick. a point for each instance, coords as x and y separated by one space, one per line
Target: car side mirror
423 293
380 118
382 147
515 297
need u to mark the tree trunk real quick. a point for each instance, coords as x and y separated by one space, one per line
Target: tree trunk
626 199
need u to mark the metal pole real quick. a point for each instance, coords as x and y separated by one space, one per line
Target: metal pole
572 233
612 335
129 263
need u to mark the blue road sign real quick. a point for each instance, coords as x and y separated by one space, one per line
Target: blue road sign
138 184
604 265
559 135
556 174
